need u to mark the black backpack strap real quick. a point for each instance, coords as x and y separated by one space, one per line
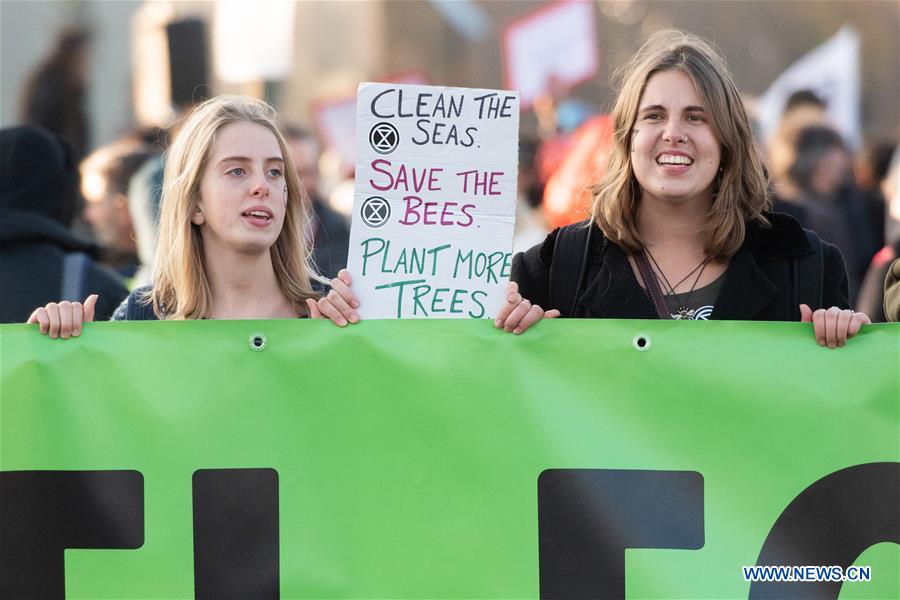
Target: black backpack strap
569 264
808 288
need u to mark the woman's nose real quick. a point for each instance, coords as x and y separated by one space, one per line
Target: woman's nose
260 187
673 132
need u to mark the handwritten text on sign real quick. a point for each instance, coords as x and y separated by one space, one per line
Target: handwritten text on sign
435 200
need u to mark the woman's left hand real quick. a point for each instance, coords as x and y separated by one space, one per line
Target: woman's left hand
339 305
833 327
518 314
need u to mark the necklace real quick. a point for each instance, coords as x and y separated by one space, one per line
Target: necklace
682 312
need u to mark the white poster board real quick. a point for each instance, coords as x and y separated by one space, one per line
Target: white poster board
435 200
336 117
555 46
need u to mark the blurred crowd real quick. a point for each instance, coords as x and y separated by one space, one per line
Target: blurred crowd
76 219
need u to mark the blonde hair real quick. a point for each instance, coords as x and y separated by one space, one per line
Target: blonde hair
741 189
180 282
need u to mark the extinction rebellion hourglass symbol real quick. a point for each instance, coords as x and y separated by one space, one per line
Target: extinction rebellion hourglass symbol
375 211
384 138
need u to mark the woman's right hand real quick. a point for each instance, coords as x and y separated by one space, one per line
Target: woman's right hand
64 319
339 305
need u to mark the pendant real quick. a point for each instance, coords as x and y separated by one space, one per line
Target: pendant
684 313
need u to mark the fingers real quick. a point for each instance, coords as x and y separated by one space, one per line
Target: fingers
328 310
552 314
831 317
535 314
336 309
53 316
77 318
833 327
806 314
40 316
520 310
313 309
89 304
818 320
341 286
859 319
344 275
340 304
336 301
513 298
843 325
65 319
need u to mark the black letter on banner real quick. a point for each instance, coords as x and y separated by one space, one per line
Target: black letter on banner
44 512
832 522
236 533
588 517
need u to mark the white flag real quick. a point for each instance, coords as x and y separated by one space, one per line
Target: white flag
832 72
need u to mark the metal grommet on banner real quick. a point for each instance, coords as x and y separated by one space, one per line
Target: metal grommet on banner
258 342
641 342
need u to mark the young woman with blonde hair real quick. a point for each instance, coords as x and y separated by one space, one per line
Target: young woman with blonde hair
232 238
680 227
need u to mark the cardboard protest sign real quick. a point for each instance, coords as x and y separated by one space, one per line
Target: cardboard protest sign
435 200
335 116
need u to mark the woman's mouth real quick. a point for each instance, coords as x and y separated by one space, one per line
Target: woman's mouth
678 160
259 217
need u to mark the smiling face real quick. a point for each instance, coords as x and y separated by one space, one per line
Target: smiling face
674 153
242 191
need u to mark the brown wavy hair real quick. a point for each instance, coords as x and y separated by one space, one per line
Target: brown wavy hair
741 189
180 282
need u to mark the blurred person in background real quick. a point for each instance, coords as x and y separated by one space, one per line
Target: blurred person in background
802 109
330 231
880 292
144 197
105 177
892 292
55 94
871 168
41 259
531 225
818 190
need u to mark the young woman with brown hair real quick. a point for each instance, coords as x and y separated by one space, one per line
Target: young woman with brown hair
680 227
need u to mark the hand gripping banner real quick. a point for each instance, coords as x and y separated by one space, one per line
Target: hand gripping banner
426 459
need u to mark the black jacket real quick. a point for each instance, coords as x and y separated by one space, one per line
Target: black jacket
138 307
38 192
757 282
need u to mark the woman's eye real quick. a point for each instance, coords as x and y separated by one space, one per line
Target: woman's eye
653 117
274 172
696 118
237 172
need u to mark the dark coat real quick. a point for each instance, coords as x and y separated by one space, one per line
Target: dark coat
331 239
38 189
136 307
757 282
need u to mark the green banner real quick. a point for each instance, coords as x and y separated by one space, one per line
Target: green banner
446 459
